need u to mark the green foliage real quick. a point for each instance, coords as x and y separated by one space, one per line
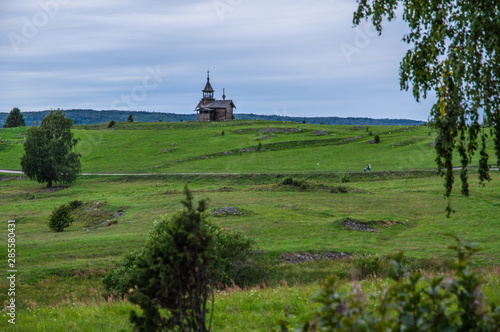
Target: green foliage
377 139
369 265
117 279
235 259
60 218
222 133
75 204
454 52
130 118
48 157
171 283
15 119
111 124
290 181
413 302
345 178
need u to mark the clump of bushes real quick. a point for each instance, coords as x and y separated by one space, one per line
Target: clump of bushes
130 118
377 139
345 178
339 189
111 124
61 218
290 181
234 258
412 302
75 204
173 276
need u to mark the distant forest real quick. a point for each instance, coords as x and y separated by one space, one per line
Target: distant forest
81 117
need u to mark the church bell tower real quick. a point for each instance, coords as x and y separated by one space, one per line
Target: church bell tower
208 92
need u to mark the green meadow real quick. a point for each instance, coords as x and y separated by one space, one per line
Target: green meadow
236 164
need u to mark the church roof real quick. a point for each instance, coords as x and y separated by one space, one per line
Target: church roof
221 104
208 86
216 104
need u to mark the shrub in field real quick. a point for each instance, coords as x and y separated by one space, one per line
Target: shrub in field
130 118
60 218
412 302
170 278
75 204
111 123
235 259
368 265
345 178
117 280
377 139
290 181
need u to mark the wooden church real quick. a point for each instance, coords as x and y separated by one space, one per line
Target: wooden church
210 109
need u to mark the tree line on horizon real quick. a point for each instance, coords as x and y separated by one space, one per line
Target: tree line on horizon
90 117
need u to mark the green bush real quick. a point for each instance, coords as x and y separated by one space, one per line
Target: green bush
111 123
170 278
75 204
377 139
345 178
235 259
60 218
290 181
117 280
130 118
369 265
412 302
339 189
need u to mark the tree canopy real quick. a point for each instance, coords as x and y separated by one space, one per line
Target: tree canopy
48 156
15 119
454 51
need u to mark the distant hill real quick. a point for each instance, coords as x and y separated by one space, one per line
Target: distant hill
81 116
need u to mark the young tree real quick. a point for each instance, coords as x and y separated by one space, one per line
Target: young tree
130 118
60 218
171 275
48 157
15 119
455 52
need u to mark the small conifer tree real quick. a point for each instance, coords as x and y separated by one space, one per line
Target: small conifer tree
171 283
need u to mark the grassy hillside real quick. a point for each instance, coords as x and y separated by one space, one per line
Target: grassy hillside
401 200
239 146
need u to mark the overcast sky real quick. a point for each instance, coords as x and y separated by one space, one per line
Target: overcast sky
283 57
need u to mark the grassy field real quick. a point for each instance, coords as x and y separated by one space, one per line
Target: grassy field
284 147
401 199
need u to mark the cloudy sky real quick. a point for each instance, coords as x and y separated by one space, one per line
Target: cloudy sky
283 57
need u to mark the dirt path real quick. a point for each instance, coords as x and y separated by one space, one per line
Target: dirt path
5 171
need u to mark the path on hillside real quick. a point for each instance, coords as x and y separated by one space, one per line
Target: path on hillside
210 174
